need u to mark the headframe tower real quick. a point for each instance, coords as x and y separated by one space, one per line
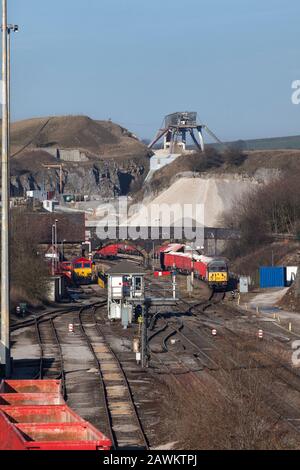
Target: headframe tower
176 128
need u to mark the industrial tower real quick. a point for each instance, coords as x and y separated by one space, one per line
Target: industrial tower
176 127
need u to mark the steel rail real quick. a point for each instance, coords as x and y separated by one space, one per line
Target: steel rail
274 373
103 389
53 314
130 395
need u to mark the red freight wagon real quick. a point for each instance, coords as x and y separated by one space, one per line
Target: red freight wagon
200 269
124 248
169 261
183 263
111 250
21 399
52 436
34 416
30 386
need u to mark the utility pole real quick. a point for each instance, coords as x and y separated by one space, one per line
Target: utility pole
56 245
11 28
63 249
192 267
5 297
153 256
144 342
53 252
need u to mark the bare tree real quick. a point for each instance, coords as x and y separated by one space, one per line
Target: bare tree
28 269
271 209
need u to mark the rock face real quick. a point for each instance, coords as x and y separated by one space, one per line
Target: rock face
97 157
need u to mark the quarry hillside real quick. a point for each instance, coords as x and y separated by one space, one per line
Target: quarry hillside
217 184
98 157
103 159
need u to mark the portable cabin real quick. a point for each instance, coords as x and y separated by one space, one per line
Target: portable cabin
126 289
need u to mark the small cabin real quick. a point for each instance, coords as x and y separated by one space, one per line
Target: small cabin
126 289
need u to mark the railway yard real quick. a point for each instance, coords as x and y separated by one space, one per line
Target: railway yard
150 231
210 382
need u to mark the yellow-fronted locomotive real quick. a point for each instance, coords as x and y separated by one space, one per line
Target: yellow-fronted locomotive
212 270
217 274
84 271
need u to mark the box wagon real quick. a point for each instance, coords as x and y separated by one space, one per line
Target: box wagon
34 416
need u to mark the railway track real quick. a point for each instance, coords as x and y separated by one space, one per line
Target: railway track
115 412
194 353
186 369
248 329
122 418
42 328
227 358
51 363
256 357
52 314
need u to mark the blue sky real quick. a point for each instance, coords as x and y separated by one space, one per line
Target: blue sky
135 61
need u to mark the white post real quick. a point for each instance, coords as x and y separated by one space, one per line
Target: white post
174 286
53 250
56 245
5 285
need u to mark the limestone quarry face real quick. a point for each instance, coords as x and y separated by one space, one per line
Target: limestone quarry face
98 158
103 178
214 194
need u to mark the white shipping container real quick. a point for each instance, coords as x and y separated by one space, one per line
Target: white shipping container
291 272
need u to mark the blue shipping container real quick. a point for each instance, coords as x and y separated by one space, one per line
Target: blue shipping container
272 276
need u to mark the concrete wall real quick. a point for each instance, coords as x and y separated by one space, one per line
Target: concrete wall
56 289
66 155
72 155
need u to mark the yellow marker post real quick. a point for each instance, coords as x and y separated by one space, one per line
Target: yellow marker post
140 322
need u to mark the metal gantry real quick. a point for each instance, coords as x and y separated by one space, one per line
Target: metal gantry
177 127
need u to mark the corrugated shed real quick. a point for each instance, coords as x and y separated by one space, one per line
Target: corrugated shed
272 276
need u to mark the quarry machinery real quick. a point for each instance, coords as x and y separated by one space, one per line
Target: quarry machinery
175 129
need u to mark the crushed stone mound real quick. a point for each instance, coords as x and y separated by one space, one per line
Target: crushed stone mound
213 194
